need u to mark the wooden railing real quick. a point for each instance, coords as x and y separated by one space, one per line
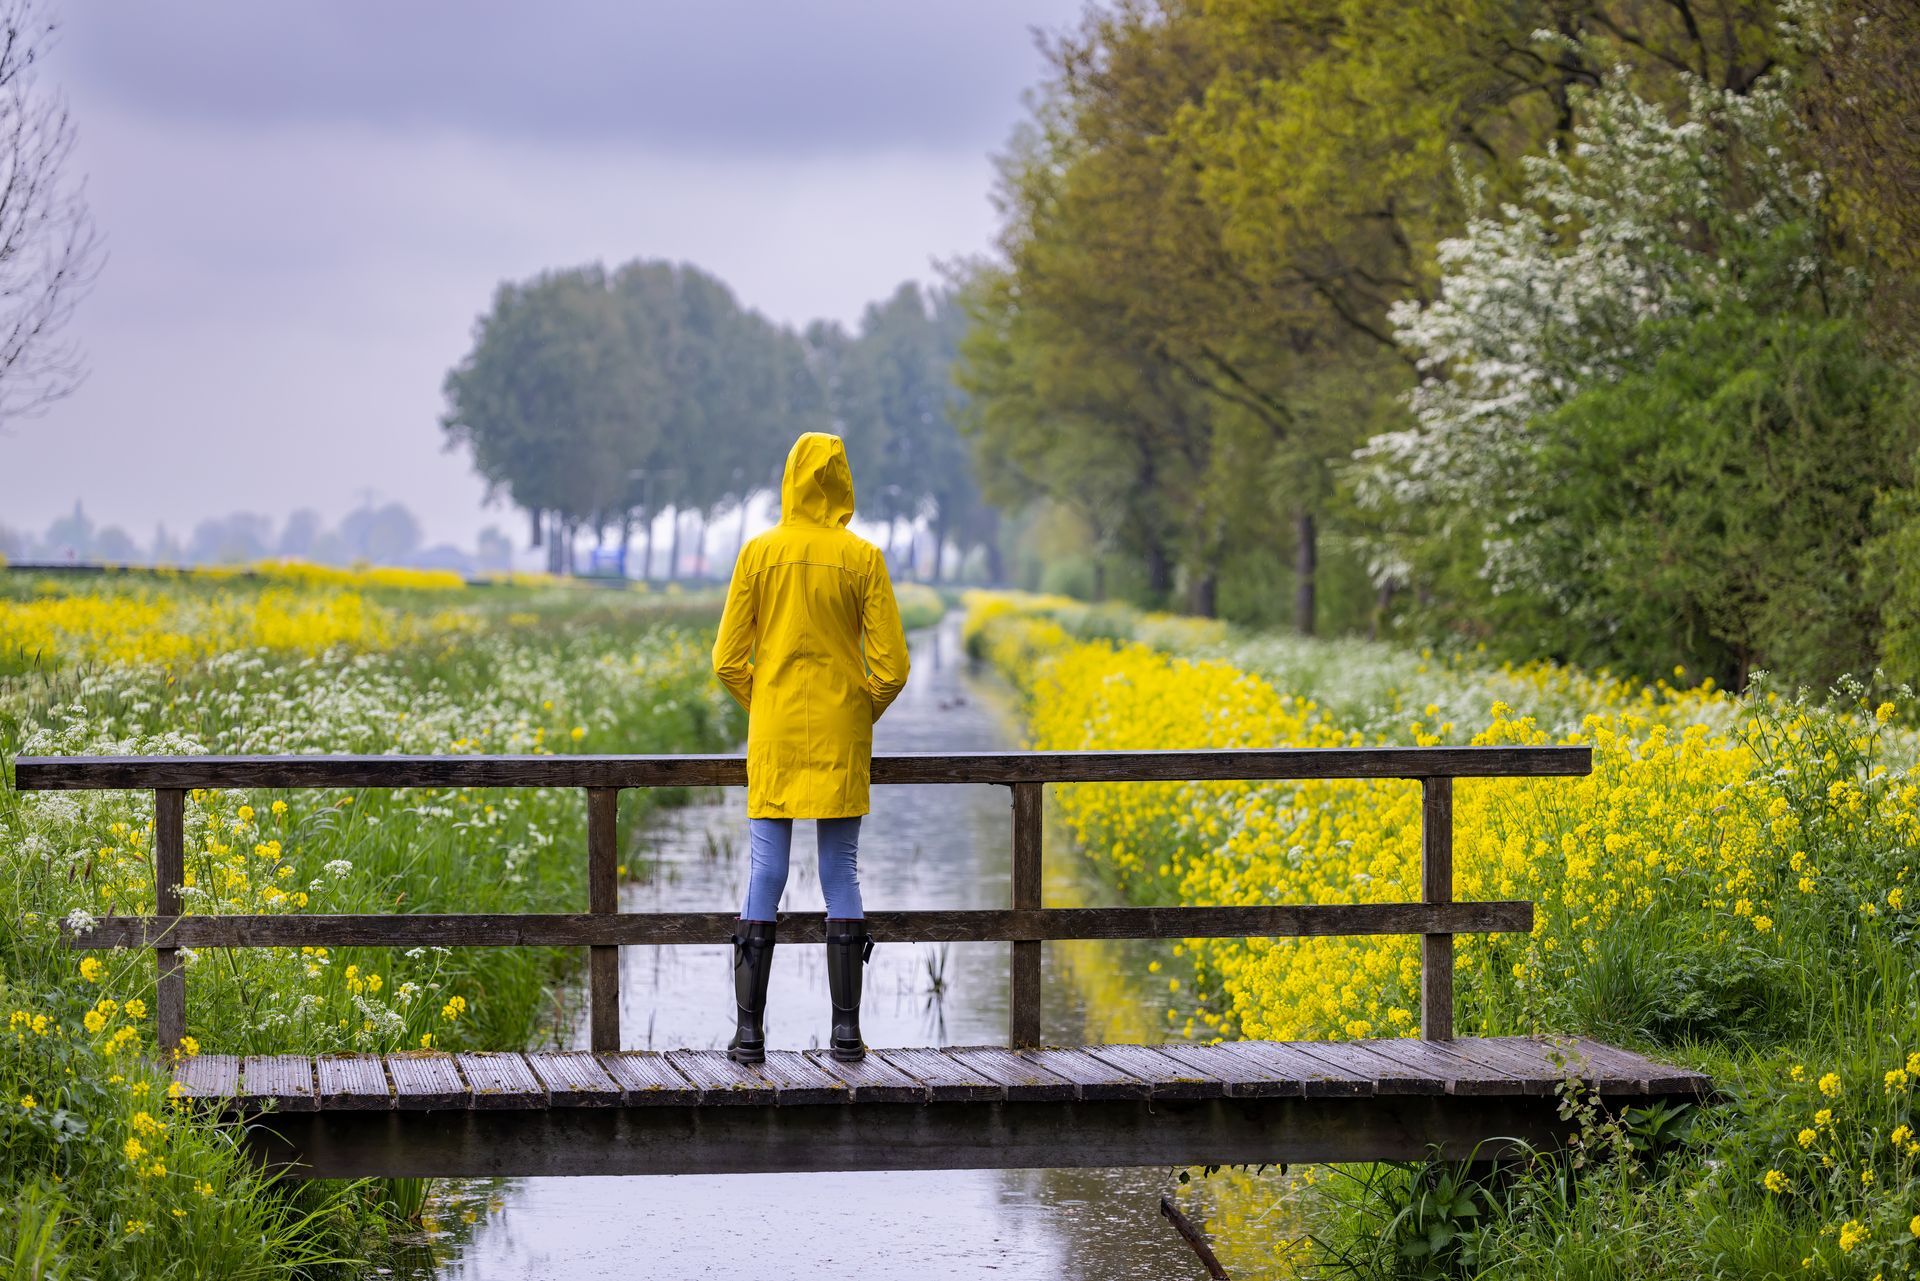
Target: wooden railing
603 928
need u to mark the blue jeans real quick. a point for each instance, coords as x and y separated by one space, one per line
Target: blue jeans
769 841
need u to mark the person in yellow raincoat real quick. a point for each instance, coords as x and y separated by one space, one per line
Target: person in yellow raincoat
810 644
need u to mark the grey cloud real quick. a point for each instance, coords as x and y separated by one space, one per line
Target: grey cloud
803 77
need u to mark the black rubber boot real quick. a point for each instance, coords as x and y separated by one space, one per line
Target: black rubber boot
848 947
752 967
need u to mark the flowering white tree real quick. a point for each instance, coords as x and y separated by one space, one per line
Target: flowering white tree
1645 217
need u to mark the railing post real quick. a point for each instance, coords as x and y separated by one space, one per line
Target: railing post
1023 980
603 896
1436 886
169 870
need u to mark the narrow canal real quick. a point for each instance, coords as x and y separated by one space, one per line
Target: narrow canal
922 847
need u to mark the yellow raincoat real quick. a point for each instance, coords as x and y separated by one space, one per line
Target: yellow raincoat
805 597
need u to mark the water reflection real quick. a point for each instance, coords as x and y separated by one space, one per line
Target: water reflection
923 847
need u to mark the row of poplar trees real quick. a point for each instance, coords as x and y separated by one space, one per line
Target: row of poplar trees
594 399
1578 326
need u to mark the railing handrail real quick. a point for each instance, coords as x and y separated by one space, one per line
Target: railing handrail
603 929
1243 764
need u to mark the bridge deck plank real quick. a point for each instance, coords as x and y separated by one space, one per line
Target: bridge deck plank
1169 1077
1094 1079
573 1079
1470 1067
209 1076
424 1081
286 1079
720 1079
501 1080
1462 1074
947 1080
1243 1076
1025 1080
798 1079
872 1079
649 1079
353 1081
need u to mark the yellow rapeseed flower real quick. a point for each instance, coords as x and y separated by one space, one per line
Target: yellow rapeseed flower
1852 1233
28 1102
91 970
1830 1085
1776 1182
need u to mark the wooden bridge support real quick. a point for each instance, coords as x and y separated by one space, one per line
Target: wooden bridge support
539 1142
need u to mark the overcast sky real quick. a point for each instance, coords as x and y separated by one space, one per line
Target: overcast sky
306 203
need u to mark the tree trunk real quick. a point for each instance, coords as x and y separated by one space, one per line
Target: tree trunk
1099 578
626 539
646 554
533 514
996 565
700 544
1159 574
673 548
1206 592
1306 556
1382 602
940 545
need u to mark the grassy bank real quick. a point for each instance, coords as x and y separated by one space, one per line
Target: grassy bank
105 1174
1728 889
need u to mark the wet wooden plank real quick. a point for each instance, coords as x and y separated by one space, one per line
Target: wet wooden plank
1614 1070
501 1080
1170 1078
1319 1078
947 1081
720 1079
208 1076
1388 1076
957 925
423 1080
60 773
282 1081
649 1079
1528 1061
1462 1075
1244 1076
1652 1077
603 898
1023 973
1093 1078
1436 886
353 1081
797 1079
872 1079
574 1079
1025 1080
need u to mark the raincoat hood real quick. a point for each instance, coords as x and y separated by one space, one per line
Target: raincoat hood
818 486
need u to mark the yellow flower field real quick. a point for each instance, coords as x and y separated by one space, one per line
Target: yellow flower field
1733 873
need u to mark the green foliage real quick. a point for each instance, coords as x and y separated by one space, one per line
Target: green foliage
602 398
1714 508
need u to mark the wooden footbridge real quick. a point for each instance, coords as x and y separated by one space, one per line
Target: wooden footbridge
609 1111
